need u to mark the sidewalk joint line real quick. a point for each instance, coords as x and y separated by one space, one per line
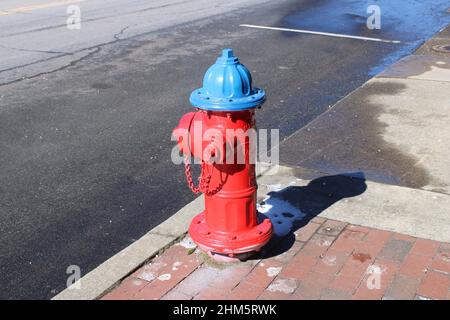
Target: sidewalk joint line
408 78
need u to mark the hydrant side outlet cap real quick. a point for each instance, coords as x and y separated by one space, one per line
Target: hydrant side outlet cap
227 86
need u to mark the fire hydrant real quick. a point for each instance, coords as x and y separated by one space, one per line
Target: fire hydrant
230 224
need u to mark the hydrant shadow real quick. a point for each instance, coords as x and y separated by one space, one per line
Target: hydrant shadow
293 207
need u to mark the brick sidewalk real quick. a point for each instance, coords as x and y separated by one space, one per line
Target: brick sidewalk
328 260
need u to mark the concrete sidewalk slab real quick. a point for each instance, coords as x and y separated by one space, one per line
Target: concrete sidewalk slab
394 130
421 67
414 212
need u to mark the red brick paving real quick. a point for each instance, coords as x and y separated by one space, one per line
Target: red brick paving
425 247
306 232
299 267
402 288
287 256
345 283
331 262
329 259
415 265
245 291
331 228
334 294
435 285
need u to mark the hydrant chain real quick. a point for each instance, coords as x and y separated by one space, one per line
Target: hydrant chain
188 174
204 180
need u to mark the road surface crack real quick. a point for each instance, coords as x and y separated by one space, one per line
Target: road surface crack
34 50
70 64
116 36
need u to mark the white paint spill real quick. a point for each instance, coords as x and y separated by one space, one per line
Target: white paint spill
281 213
165 277
176 264
445 257
323 242
187 243
274 187
273 271
283 285
136 282
329 260
147 276
149 271
376 269
278 186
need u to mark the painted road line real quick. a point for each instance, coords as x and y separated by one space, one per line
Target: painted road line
38 7
328 34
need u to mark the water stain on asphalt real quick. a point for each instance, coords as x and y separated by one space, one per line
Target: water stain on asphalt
398 22
102 86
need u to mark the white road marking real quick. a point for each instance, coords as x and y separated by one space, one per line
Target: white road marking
328 34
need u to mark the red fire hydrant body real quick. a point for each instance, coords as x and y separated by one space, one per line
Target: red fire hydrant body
220 135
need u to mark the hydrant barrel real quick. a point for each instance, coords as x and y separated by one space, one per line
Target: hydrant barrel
222 135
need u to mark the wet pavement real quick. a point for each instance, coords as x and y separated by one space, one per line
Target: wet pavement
399 21
393 129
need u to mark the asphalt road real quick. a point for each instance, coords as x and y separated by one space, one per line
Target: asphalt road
86 115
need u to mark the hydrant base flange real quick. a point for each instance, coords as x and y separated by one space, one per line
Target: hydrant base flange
229 243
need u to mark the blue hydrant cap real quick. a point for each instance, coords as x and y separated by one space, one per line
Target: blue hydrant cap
227 86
